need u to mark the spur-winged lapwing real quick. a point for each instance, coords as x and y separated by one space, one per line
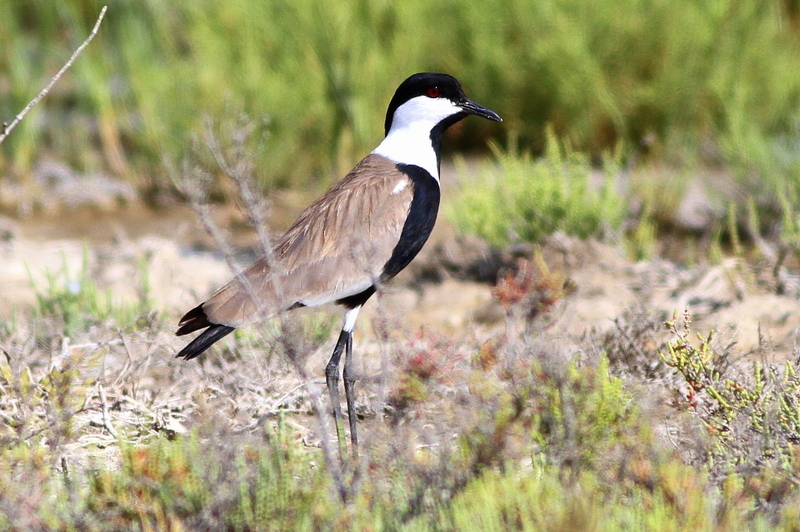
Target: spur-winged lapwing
360 233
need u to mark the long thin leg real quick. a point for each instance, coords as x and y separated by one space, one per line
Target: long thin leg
349 392
344 343
332 380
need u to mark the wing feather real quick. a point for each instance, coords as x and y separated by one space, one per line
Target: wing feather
336 248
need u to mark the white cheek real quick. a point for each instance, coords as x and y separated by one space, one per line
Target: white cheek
423 111
409 139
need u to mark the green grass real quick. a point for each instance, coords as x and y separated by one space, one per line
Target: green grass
517 198
683 85
73 304
695 80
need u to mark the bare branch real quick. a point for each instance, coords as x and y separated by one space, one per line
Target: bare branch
104 410
242 174
6 129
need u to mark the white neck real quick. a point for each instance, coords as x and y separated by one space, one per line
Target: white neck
409 139
410 145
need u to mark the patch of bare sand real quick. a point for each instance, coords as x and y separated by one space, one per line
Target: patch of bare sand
438 291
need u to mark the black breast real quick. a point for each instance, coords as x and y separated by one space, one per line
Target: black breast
416 230
420 221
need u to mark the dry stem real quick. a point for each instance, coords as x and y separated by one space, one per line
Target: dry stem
6 129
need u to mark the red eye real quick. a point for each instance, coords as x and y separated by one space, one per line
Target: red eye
434 92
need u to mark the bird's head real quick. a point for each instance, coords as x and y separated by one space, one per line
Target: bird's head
434 101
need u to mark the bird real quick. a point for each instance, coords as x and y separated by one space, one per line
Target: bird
359 234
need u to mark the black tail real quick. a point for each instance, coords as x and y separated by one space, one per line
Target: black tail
196 319
193 320
204 341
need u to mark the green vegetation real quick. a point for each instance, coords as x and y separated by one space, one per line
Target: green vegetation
683 85
76 304
688 80
517 198
543 441
754 414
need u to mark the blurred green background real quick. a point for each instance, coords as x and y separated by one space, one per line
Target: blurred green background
678 82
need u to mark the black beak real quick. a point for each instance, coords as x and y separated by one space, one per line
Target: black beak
473 108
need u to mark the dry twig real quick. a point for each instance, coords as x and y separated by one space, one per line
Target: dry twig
6 129
104 409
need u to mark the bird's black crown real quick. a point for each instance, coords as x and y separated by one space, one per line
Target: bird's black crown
424 84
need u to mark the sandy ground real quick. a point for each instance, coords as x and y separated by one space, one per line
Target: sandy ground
439 291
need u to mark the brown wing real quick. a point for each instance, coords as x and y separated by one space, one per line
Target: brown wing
336 248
